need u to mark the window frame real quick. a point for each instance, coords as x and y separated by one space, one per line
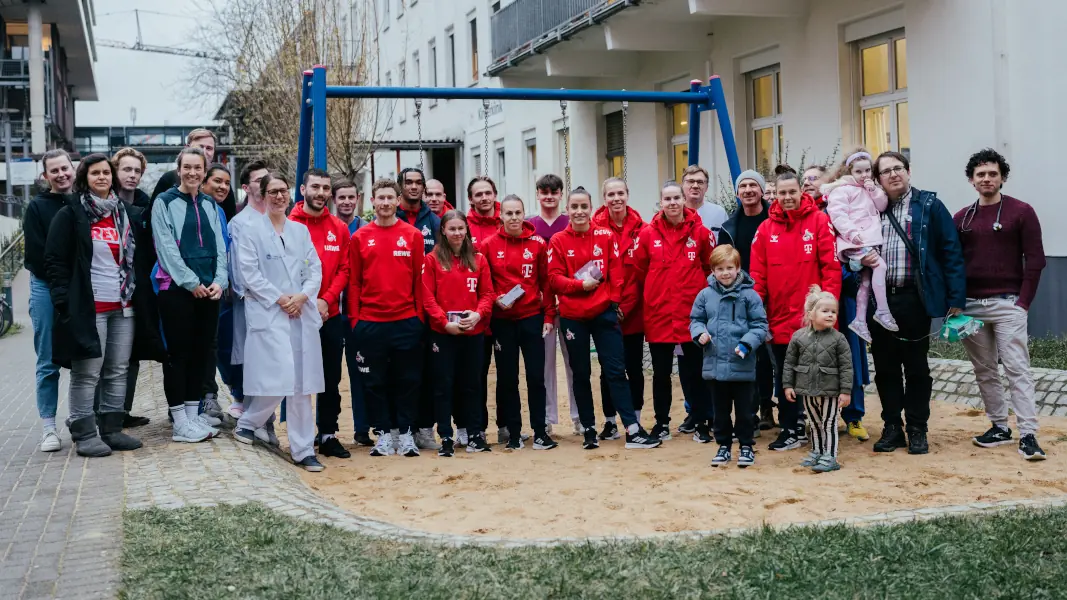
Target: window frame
389 116
677 139
450 47
775 122
431 47
890 99
402 75
472 47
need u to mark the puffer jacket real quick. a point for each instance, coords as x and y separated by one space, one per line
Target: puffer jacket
855 213
731 316
818 363
633 317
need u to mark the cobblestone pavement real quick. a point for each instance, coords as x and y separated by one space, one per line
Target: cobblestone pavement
60 514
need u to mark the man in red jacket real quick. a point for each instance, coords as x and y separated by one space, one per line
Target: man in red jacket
330 237
435 198
793 249
384 300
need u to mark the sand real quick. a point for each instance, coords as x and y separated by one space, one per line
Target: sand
569 491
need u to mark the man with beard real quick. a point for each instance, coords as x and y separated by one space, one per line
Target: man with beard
329 236
435 197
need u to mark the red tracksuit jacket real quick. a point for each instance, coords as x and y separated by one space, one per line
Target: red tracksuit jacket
445 207
482 227
385 279
792 251
631 305
672 265
457 289
521 260
570 251
330 237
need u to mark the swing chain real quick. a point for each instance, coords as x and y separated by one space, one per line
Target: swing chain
485 149
566 148
625 136
418 123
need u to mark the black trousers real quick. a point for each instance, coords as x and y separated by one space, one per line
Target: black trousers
605 332
355 381
763 390
736 396
189 328
392 355
512 338
690 364
897 358
488 344
425 417
454 371
788 412
633 354
328 404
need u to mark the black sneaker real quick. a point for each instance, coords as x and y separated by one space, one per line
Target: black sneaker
312 464
515 442
1029 449
334 447
892 438
722 457
129 421
917 443
544 442
364 439
993 438
702 435
590 442
477 443
787 440
641 439
610 431
663 431
689 425
447 449
746 457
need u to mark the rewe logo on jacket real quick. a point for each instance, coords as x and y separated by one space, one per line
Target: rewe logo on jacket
331 247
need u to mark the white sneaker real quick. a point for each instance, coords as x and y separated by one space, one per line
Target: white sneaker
396 440
405 445
461 436
190 432
384 445
424 439
50 441
204 422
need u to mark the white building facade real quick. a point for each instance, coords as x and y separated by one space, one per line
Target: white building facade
805 80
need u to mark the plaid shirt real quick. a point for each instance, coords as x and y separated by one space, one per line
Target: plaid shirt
894 251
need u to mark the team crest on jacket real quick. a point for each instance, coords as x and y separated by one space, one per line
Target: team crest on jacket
330 237
401 243
527 255
436 348
570 334
808 235
690 243
359 358
596 250
425 231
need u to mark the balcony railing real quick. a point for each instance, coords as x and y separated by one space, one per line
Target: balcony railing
524 24
15 73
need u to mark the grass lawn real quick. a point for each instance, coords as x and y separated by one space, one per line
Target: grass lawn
251 552
1047 353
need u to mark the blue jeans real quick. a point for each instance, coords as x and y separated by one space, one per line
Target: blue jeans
232 375
41 316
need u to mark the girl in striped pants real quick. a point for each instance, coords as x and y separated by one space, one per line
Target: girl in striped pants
818 370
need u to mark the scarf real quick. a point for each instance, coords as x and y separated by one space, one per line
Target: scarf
97 208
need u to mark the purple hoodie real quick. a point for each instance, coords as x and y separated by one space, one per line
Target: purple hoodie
545 230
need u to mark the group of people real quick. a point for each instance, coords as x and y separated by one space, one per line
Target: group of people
420 298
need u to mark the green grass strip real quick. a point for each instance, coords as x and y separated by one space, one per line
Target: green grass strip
250 551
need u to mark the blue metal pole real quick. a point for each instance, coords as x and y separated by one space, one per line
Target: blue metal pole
697 97
303 141
718 100
694 125
318 108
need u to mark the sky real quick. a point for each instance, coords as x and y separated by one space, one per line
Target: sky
145 81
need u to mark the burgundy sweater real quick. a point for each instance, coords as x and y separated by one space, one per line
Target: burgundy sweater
1008 261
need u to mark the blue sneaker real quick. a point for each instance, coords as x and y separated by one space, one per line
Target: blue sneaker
245 436
312 464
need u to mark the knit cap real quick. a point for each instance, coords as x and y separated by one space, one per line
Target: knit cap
754 176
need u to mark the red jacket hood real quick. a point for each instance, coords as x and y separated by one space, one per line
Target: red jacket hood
690 219
299 214
780 215
445 207
602 218
478 219
528 231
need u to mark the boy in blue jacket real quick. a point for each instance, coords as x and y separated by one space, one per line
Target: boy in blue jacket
728 320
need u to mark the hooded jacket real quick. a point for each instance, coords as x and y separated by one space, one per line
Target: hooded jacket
483 227
633 319
189 240
425 221
521 260
792 251
457 289
569 251
445 207
330 237
672 264
385 279
731 316
855 213
35 223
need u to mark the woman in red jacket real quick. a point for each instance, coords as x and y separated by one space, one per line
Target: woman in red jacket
458 298
626 223
518 261
585 273
792 250
672 260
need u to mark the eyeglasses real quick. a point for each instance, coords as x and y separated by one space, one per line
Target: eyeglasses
811 178
694 182
897 170
278 192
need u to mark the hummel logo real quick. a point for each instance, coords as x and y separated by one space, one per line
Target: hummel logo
774 238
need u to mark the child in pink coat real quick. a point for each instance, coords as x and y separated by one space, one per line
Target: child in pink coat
855 205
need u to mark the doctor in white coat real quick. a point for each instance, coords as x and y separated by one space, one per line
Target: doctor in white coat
280 271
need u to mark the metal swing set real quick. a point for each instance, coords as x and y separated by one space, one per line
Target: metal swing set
314 93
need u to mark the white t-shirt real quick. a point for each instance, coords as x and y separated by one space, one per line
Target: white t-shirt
712 216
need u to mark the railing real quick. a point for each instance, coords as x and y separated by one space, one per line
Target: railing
526 20
11 256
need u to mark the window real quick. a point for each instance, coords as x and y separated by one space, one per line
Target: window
389 115
679 114
494 8
451 50
531 160
432 72
616 143
402 73
476 161
883 65
416 68
501 169
765 110
474 50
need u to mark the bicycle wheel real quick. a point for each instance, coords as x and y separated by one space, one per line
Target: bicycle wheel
6 318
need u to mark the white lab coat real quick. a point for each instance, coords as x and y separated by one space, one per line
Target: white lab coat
236 227
282 356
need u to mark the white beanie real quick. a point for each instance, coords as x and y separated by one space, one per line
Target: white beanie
754 176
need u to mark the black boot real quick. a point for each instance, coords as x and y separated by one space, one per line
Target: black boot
129 420
917 443
86 441
892 438
110 424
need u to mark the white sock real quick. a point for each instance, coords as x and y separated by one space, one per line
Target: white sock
611 419
49 423
179 414
1004 427
633 428
637 415
327 436
192 409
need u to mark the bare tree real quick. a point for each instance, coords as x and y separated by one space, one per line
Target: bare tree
272 43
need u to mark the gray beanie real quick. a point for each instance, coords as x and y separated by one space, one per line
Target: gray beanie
754 176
